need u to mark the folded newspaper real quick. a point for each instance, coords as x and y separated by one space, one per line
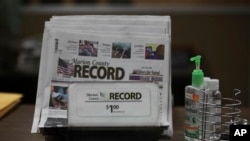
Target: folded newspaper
105 71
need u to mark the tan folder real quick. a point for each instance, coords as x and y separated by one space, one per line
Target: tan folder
8 101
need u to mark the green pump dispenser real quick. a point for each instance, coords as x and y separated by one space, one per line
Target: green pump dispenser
197 74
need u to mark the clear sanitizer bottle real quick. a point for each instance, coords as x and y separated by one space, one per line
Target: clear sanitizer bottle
214 98
192 95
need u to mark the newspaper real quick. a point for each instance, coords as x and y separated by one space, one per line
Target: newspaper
78 59
116 20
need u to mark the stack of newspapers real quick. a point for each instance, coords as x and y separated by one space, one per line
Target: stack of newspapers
105 71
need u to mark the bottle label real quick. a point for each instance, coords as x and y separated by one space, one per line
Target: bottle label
191 115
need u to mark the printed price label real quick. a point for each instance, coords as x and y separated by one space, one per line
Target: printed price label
114 102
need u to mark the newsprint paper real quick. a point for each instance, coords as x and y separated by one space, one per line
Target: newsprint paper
105 71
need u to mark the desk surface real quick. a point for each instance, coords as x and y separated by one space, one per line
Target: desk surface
17 124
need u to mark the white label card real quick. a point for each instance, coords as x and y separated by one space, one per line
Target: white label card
114 104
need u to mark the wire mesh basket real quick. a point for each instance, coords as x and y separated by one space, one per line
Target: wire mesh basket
216 114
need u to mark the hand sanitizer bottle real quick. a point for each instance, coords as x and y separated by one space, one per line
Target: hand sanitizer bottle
214 96
192 96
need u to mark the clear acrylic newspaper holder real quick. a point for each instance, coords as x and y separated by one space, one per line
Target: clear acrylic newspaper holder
151 131
95 134
110 80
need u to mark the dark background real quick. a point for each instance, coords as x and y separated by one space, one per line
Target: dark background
218 30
